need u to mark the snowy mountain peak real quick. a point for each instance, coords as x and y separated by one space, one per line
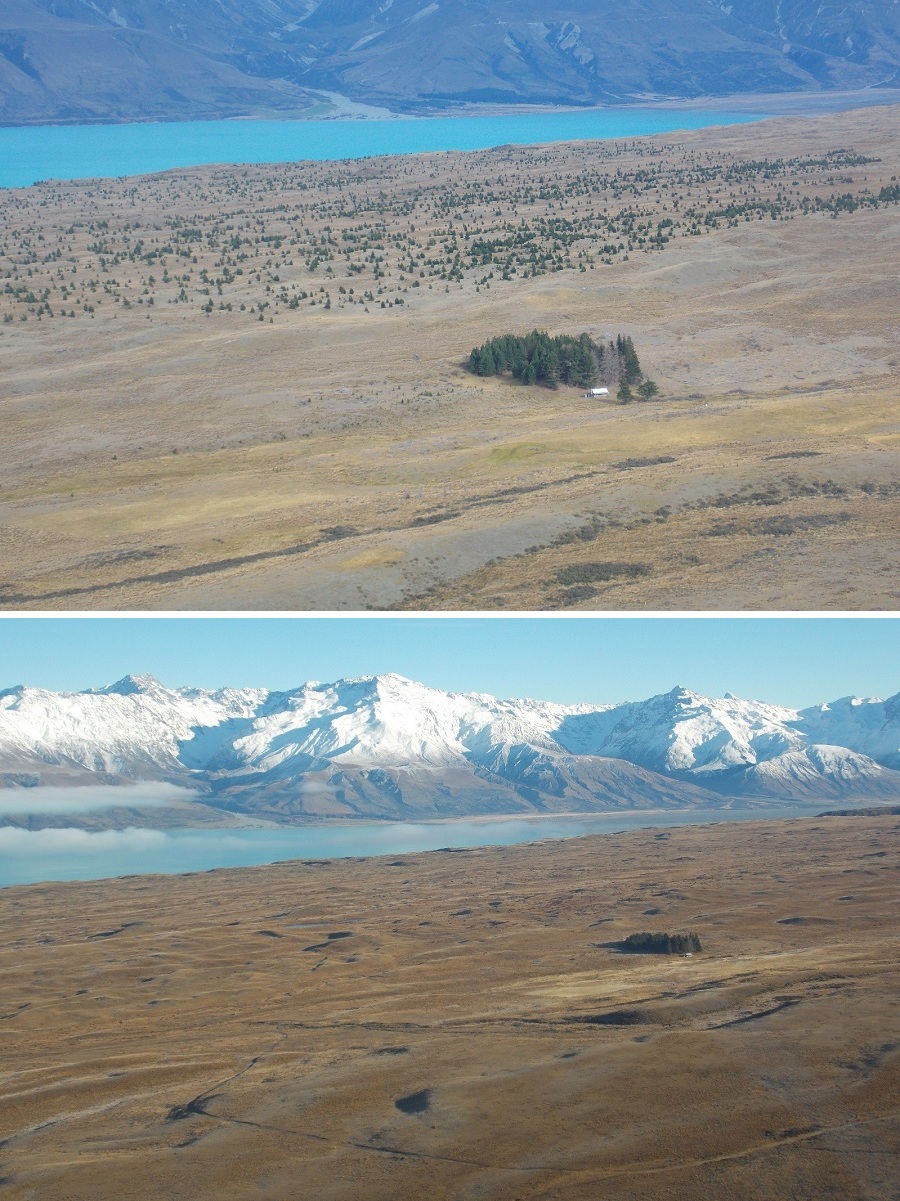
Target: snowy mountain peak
683 698
132 685
387 683
679 746
842 702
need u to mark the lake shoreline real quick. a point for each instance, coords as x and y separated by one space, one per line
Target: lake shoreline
769 104
50 154
58 854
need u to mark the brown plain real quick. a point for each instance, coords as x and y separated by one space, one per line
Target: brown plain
461 1025
336 455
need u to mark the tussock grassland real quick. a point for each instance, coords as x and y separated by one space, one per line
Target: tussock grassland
465 1025
257 437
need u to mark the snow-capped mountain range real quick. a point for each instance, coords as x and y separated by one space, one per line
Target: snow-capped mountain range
387 747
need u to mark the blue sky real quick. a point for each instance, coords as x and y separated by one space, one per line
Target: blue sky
788 660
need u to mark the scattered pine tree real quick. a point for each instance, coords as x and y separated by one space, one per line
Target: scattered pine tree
630 367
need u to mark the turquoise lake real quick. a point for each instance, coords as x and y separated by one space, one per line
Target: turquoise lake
87 151
29 856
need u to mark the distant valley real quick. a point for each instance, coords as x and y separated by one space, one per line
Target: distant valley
75 61
385 747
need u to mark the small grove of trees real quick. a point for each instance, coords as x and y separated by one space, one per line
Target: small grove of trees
631 375
661 944
538 358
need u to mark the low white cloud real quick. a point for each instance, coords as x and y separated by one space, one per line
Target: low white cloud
49 800
68 841
316 788
28 856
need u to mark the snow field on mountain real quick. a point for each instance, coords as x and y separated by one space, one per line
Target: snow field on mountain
139 729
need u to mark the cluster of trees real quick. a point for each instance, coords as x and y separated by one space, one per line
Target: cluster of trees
579 362
631 374
661 944
538 358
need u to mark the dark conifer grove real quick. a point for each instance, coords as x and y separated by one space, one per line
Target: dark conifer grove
539 358
661 944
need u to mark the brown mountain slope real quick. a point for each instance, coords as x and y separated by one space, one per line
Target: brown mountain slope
73 60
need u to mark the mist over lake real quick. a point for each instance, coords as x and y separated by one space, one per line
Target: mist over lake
29 856
87 151
22 802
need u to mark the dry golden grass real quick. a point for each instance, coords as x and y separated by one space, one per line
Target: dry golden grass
338 459
250 1033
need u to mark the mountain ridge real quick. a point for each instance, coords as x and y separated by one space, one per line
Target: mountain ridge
71 60
386 746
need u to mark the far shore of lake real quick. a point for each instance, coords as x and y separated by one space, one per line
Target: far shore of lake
67 853
771 104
